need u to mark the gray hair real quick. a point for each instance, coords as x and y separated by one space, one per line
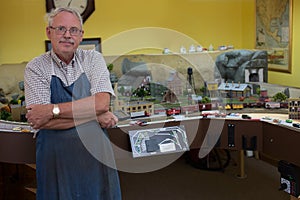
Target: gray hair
49 16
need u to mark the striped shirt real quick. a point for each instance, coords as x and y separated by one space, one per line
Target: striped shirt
38 72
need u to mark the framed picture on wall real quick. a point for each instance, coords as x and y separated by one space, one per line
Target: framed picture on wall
274 32
87 43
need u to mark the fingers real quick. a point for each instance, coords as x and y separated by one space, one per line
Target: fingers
108 122
115 119
33 125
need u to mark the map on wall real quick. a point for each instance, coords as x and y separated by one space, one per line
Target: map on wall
273 32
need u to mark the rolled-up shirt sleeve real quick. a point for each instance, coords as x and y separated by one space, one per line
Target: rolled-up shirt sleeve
98 74
36 84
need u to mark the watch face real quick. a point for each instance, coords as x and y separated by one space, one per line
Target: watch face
80 5
56 111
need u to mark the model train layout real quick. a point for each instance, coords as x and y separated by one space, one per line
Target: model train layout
156 141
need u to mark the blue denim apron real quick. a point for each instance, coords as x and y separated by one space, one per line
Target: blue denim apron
66 169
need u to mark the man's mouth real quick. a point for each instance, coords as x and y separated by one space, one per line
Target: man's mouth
67 42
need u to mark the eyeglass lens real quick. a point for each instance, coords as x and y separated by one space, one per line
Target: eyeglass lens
61 30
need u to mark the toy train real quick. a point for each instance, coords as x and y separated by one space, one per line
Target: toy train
228 106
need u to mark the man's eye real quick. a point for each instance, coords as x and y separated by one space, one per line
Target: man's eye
74 30
61 28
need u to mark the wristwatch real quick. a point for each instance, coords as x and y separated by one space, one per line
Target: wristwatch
55 111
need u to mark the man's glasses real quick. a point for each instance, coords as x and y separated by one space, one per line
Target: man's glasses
61 30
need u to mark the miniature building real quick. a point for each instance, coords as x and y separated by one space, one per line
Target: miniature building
134 106
174 83
170 97
294 108
233 90
139 106
213 93
212 87
264 93
129 107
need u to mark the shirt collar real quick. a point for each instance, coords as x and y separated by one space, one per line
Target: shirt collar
59 62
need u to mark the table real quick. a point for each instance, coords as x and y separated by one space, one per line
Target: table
17 147
277 141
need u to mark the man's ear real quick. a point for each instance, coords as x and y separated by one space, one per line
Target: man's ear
48 31
82 33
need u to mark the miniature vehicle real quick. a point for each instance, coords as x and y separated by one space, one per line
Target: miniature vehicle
233 114
141 123
259 104
220 115
17 128
272 105
297 125
173 111
289 121
283 104
237 106
138 114
267 118
276 120
246 117
138 122
207 113
206 106
190 108
227 107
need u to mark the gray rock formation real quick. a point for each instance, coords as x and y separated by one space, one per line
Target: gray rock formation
232 64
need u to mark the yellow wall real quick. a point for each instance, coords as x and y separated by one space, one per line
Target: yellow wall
136 24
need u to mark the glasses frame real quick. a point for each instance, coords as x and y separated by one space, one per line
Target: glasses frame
57 29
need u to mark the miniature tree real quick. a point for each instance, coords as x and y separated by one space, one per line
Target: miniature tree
122 90
4 115
206 99
279 97
110 67
258 90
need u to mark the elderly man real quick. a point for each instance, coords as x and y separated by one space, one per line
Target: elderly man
67 92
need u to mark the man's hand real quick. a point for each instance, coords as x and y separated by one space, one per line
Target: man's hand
107 120
37 115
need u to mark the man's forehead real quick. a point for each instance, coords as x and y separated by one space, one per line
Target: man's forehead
66 18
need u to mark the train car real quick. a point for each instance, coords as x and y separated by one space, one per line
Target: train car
139 114
272 105
237 106
173 111
189 109
159 111
234 106
284 104
205 106
210 113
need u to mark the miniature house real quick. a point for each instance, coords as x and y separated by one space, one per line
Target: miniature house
174 83
235 90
